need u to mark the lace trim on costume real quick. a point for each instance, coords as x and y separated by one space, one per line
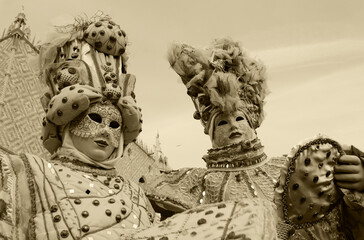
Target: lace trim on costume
84 167
9 184
243 154
31 185
1 173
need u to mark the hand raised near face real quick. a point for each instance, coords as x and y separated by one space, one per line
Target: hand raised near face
349 173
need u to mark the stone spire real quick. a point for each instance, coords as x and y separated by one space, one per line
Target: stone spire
18 26
20 91
158 155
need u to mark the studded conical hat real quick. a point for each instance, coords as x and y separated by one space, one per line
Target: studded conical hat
88 56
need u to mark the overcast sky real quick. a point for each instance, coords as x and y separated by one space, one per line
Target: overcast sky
314 51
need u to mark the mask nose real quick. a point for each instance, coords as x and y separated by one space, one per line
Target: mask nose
233 125
104 133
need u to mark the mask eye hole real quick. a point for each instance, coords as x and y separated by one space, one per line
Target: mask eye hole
114 124
223 122
95 117
239 118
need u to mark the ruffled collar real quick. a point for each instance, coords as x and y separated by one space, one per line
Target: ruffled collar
238 155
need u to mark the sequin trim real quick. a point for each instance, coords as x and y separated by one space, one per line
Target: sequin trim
239 155
245 162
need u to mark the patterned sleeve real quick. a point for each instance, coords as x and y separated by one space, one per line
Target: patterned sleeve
13 213
177 190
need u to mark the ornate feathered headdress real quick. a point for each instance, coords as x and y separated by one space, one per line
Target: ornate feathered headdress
221 78
84 63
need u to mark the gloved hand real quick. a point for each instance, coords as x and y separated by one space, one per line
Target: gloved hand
349 172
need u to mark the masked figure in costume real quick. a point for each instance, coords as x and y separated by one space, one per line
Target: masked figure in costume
227 88
91 116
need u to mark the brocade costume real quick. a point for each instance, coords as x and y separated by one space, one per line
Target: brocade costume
221 202
60 199
76 194
232 173
228 88
239 172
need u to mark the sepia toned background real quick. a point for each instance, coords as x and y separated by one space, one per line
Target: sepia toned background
314 51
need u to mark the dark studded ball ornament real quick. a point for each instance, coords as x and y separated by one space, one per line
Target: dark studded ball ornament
112 91
110 77
67 77
107 37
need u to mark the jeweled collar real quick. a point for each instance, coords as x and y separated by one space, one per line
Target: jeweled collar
238 155
81 166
